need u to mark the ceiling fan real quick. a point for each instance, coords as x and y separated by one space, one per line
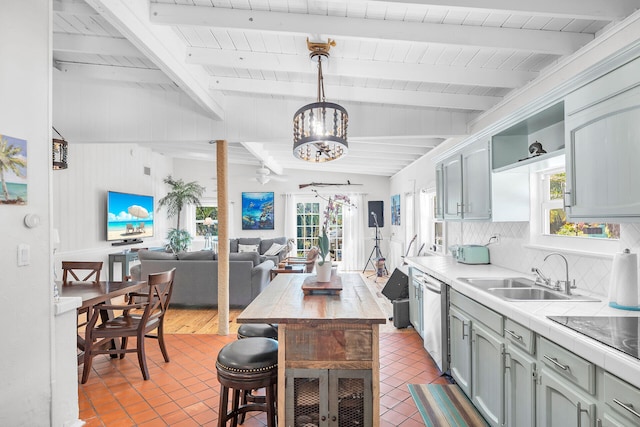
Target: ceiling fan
263 175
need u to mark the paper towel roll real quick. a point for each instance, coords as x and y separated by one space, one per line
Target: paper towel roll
624 276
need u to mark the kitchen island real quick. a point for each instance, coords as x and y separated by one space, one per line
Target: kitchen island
328 354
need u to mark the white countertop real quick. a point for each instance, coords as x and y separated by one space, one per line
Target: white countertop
533 314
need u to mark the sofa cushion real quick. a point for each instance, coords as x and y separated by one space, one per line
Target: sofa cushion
197 255
245 256
146 254
249 241
233 245
266 244
275 249
247 248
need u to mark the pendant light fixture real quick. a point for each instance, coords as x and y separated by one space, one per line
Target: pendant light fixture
59 152
320 128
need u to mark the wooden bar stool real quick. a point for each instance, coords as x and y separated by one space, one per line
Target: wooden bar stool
252 330
248 364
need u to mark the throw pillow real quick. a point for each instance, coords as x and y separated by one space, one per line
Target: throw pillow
275 249
247 248
265 244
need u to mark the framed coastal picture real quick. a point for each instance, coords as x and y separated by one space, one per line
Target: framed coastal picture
13 187
257 211
395 209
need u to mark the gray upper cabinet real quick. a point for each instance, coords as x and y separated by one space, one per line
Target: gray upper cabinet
602 134
467 183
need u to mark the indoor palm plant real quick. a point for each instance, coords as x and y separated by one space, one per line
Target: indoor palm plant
180 195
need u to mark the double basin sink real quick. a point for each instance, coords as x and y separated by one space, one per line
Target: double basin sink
520 289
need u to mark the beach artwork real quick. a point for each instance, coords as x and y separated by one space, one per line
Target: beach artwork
129 216
257 211
13 171
395 209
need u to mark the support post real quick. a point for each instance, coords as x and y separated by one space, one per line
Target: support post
223 238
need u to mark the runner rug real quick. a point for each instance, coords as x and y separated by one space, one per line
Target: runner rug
445 405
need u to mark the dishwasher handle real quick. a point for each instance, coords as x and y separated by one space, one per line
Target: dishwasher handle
432 284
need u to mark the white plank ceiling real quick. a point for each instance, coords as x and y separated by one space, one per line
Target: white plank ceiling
411 73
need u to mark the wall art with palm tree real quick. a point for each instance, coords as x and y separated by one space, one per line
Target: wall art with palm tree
13 170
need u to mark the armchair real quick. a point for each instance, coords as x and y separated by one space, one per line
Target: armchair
309 261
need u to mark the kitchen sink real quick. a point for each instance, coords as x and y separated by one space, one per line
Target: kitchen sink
520 289
489 283
527 294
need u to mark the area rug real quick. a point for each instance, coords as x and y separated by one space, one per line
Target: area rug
443 405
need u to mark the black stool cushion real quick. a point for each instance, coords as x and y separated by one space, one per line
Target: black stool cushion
249 355
247 330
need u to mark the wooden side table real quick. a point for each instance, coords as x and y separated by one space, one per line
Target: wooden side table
277 270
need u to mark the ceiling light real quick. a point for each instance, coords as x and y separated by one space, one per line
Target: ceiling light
320 128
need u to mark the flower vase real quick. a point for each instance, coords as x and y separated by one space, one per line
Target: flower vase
323 272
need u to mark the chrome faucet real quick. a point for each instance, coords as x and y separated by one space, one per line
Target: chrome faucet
567 283
541 278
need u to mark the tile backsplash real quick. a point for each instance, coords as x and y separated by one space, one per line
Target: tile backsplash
591 272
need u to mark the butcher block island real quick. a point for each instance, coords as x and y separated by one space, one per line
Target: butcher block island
328 351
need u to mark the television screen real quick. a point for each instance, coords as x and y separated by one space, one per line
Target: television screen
129 216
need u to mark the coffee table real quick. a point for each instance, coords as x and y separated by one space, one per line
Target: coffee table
294 269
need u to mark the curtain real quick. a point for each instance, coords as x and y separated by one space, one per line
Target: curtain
354 218
290 219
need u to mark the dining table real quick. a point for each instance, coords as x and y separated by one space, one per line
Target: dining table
95 293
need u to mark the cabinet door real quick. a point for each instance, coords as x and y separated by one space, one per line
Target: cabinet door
351 394
307 392
519 388
414 304
476 182
487 373
439 201
560 404
452 174
460 344
602 160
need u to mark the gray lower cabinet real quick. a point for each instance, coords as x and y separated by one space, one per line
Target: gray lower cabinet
487 369
561 403
328 398
519 388
460 348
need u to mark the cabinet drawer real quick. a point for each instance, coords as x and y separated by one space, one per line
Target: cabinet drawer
623 398
572 367
478 311
519 335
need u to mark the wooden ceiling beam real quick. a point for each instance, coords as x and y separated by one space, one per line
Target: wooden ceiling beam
539 41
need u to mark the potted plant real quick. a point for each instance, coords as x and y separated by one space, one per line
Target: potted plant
180 195
323 267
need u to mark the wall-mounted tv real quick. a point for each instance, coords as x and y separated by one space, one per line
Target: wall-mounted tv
129 217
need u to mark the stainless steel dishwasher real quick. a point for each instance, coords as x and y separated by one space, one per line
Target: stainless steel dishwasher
435 323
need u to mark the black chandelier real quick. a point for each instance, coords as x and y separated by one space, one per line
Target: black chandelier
59 152
320 128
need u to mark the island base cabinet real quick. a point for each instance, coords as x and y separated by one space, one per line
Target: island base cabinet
520 388
487 369
560 404
328 398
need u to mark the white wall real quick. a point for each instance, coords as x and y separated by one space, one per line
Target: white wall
27 369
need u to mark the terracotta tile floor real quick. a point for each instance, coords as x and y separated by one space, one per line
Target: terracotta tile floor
185 391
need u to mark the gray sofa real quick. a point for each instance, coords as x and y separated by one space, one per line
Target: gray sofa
196 280
263 246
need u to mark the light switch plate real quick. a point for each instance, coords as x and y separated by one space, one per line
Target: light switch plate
24 254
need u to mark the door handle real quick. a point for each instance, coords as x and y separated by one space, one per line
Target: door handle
463 334
567 199
627 407
555 362
514 335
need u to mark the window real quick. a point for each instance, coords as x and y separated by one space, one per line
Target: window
554 219
309 225
203 212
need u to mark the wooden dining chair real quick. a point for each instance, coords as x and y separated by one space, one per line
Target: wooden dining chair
139 320
308 261
74 270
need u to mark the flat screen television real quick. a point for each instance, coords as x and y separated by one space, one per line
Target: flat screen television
129 217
